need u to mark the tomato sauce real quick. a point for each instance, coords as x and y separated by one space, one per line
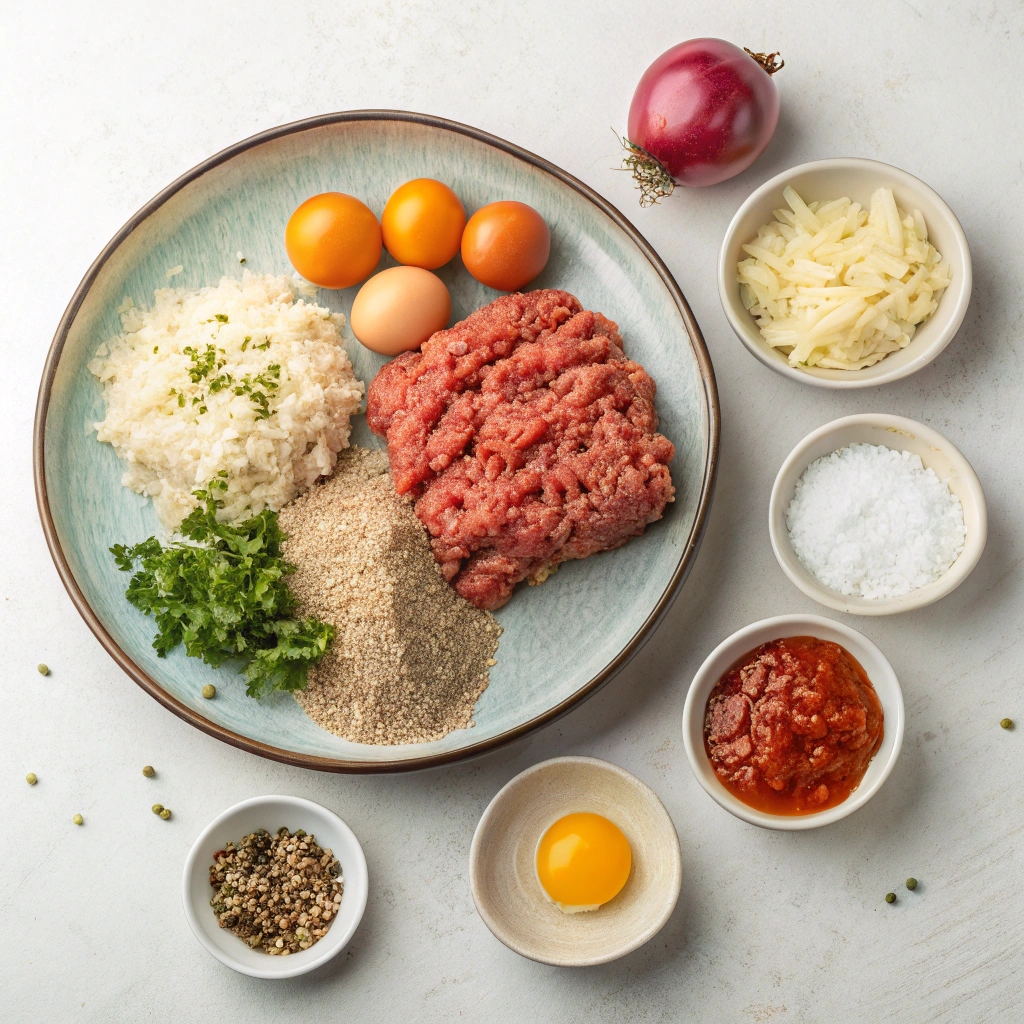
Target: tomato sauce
792 726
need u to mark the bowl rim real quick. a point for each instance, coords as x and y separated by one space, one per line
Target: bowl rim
797 461
710 672
711 415
337 944
654 925
745 329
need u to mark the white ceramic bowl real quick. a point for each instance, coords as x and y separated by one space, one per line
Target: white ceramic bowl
271 812
855 179
902 434
727 653
503 874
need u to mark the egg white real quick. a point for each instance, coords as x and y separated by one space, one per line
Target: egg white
567 908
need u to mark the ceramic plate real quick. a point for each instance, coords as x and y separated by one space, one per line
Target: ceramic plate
562 640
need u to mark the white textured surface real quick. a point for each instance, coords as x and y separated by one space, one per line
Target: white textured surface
105 104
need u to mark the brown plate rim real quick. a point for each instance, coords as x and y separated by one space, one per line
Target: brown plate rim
432 760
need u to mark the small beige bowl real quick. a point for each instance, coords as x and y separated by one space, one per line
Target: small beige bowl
730 650
503 874
856 179
902 434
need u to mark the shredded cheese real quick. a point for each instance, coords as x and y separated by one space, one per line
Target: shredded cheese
834 285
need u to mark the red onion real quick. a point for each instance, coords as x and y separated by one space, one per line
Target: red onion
703 111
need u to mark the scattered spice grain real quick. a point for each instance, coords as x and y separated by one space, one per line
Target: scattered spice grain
1006 723
890 897
43 670
157 808
209 691
278 893
410 657
149 771
31 778
165 813
78 819
911 884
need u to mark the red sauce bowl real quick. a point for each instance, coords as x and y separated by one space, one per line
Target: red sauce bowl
725 656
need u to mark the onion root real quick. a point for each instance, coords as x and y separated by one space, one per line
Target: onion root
649 173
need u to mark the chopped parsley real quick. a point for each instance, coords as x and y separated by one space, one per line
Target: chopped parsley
225 596
257 388
212 360
220 382
203 364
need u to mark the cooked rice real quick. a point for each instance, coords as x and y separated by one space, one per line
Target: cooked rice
261 402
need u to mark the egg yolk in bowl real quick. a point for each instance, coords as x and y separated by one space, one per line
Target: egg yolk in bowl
583 861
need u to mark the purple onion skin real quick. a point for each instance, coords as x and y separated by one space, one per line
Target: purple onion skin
705 109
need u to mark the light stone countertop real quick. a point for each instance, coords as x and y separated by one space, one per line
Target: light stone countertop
103 104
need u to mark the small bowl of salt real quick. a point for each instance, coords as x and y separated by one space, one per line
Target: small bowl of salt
876 514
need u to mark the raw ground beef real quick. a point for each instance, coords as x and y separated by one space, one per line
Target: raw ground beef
527 438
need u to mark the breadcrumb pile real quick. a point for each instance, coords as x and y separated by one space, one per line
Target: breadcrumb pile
410 657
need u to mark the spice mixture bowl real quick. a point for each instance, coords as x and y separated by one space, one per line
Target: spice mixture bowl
725 656
271 813
901 434
503 874
856 179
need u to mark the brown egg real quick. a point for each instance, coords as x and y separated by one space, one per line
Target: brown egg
398 309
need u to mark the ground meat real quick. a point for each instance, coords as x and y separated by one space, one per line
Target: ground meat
791 729
527 438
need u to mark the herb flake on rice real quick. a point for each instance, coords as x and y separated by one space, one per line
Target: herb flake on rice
241 383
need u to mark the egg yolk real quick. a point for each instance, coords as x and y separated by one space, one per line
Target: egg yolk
583 861
333 240
506 245
422 224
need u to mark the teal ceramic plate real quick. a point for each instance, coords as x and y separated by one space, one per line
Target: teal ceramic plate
562 640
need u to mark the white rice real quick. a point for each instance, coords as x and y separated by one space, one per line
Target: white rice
873 522
177 433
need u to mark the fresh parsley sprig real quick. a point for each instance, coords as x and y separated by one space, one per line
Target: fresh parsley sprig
225 596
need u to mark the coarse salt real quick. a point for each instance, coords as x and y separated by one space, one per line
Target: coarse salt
869 521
